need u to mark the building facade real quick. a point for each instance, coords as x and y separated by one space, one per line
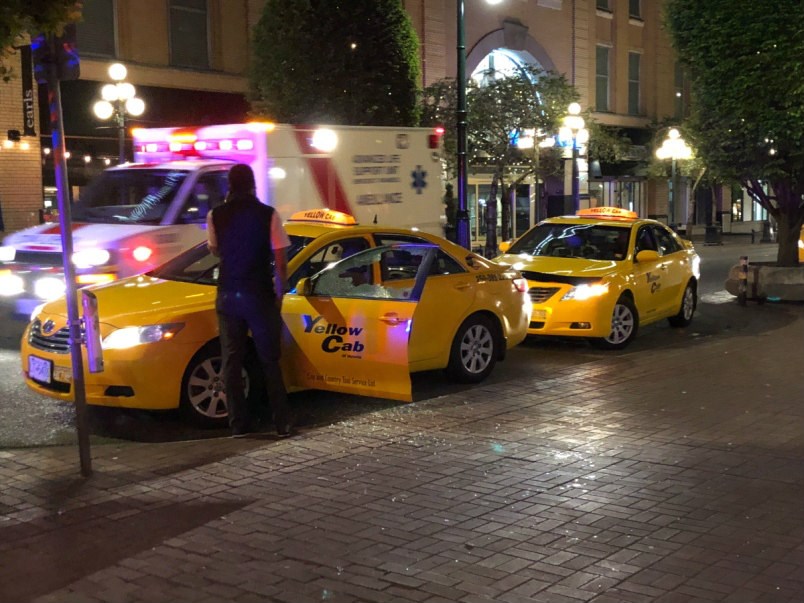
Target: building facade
189 58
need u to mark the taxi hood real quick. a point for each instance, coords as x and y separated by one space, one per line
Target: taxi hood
581 268
143 300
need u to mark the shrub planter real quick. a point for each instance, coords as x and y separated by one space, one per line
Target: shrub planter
767 281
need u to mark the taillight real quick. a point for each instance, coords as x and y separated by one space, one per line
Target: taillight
520 284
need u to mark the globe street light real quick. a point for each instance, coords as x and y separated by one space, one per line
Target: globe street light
673 147
119 100
573 130
462 214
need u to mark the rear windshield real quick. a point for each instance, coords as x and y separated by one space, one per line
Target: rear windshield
589 241
130 196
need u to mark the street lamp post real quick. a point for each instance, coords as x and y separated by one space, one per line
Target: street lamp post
674 148
118 101
462 214
537 140
574 130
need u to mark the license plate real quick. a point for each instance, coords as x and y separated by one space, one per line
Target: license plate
39 369
539 315
63 374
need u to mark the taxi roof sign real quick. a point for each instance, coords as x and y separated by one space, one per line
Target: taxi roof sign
606 212
324 216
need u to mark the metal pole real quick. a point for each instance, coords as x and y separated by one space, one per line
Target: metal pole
65 222
538 184
462 215
576 194
671 207
121 132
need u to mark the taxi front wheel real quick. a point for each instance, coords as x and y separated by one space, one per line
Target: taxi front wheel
624 326
688 305
474 350
203 395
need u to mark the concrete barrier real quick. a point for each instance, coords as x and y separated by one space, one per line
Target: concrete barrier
768 281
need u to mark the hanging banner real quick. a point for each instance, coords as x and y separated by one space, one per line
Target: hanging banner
28 104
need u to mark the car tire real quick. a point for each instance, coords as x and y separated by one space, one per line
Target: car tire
474 350
624 326
689 301
203 395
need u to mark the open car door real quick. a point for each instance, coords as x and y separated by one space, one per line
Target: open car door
348 327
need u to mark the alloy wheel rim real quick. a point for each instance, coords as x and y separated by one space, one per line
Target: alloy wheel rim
622 324
477 347
206 390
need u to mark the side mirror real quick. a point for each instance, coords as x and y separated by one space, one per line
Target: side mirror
505 246
647 255
304 287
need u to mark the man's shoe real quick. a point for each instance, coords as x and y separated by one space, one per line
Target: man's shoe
284 431
240 433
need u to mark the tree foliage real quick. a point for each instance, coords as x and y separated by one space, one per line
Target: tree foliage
19 18
747 122
502 110
350 62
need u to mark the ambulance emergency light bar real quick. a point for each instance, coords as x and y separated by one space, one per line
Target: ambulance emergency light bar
238 142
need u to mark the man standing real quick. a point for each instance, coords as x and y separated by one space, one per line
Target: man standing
251 242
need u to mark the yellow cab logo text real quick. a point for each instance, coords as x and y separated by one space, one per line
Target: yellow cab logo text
335 335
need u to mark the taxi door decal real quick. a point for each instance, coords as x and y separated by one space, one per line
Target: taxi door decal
356 339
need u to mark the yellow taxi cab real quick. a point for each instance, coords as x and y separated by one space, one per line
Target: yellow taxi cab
604 273
367 306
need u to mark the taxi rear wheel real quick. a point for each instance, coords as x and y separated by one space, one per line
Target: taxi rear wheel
624 326
203 395
474 350
687 310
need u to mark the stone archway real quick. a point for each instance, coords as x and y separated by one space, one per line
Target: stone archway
513 37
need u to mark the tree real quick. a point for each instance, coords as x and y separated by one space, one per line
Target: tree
747 121
500 111
19 18
336 62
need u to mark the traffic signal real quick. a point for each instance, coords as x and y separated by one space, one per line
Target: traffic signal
63 51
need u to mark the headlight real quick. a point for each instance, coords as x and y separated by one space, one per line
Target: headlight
10 284
49 287
800 244
583 292
91 257
128 337
7 253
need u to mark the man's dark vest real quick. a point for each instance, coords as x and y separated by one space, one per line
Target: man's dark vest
243 230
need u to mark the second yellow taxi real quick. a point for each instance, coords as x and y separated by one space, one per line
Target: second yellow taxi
368 306
603 273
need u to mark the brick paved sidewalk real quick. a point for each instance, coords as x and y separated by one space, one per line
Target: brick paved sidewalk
677 476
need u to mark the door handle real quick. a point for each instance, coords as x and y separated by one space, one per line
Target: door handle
391 318
462 286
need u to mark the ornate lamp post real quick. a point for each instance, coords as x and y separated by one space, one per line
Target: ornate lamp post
462 214
536 140
119 100
573 130
673 147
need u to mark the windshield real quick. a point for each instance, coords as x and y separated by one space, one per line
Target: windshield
589 241
198 265
136 196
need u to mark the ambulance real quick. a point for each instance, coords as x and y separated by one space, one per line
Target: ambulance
136 216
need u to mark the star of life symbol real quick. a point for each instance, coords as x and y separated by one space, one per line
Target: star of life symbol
419 179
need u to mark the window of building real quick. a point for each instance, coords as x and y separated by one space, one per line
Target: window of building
95 32
635 9
634 65
602 78
188 34
603 5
